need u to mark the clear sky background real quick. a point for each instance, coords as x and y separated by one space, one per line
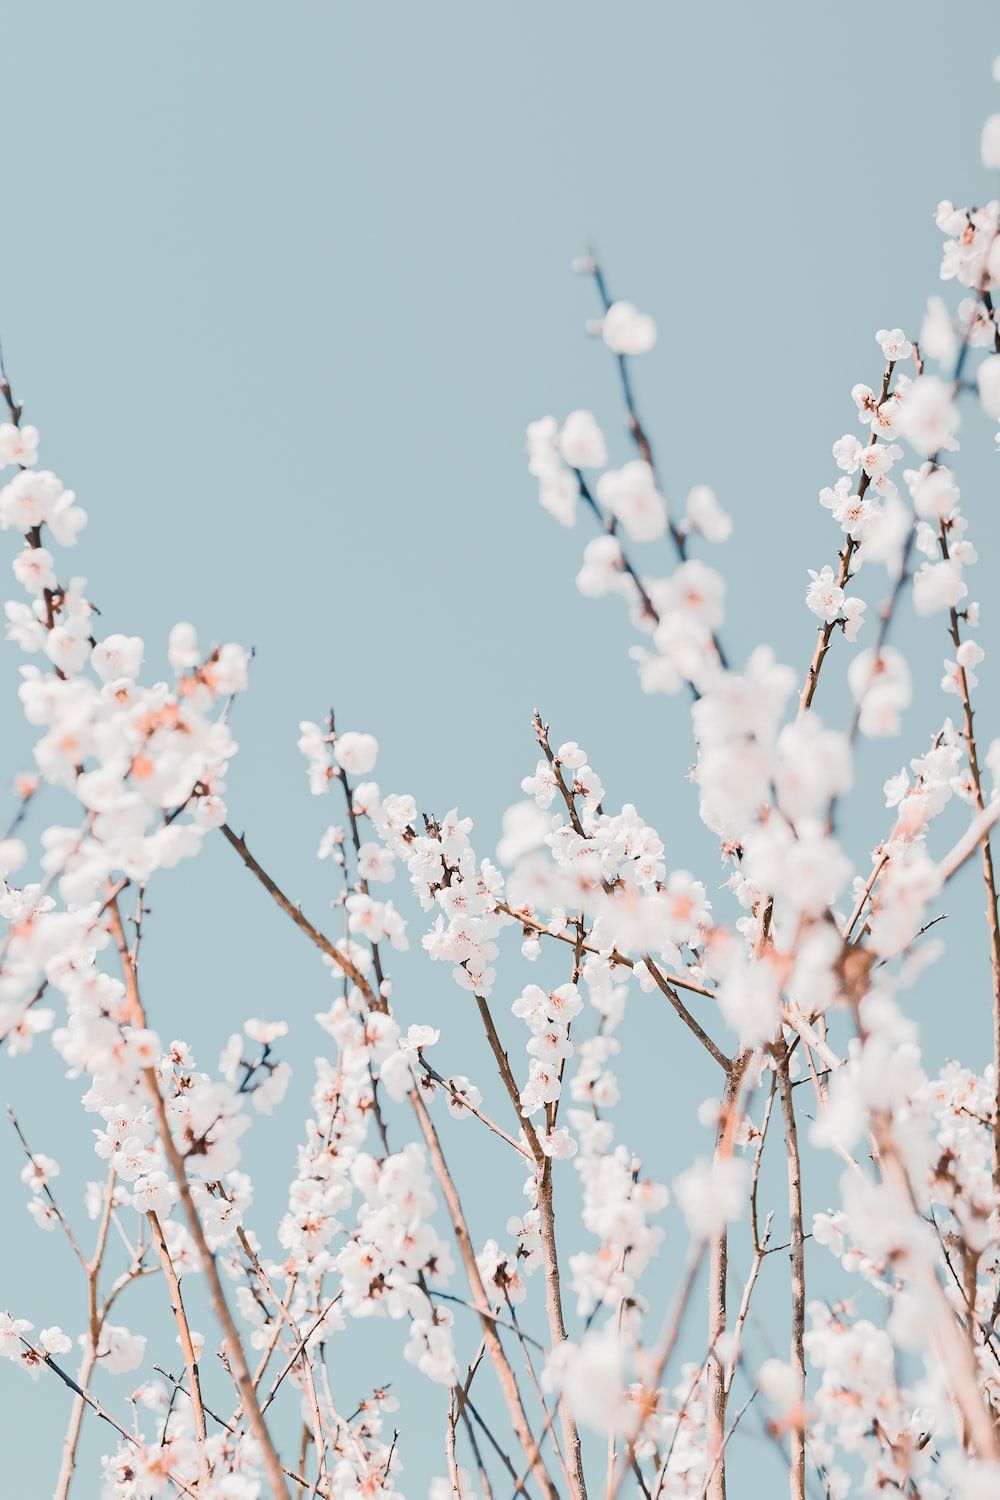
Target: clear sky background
282 287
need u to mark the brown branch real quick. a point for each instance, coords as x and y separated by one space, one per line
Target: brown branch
178 1385
523 916
505 1374
797 1476
692 1025
85 1396
354 974
989 877
231 1338
186 1342
47 1191
494 1348
542 736
718 1273
550 1257
652 1385
298 1351
473 1109
643 444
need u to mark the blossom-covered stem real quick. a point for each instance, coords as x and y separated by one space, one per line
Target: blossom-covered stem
375 951
507 1076
797 1476
297 1352
480 1115
607 523
614 957
542 736
862 900
986 854
280 1307
233 1345
954 1352
635 426
667 1345
495 1348
843 574
354 974
966 1287
550 1255
957 1359
547 1227
178 1385
34 536
887 614
49 1195
610 525
84 1395
284 1316
501 1364
273 1341
234 1348
185 1341
826 630
356 841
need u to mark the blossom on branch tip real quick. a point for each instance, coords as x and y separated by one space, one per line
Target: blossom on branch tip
625 330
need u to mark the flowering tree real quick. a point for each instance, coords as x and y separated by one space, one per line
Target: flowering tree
547 1373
